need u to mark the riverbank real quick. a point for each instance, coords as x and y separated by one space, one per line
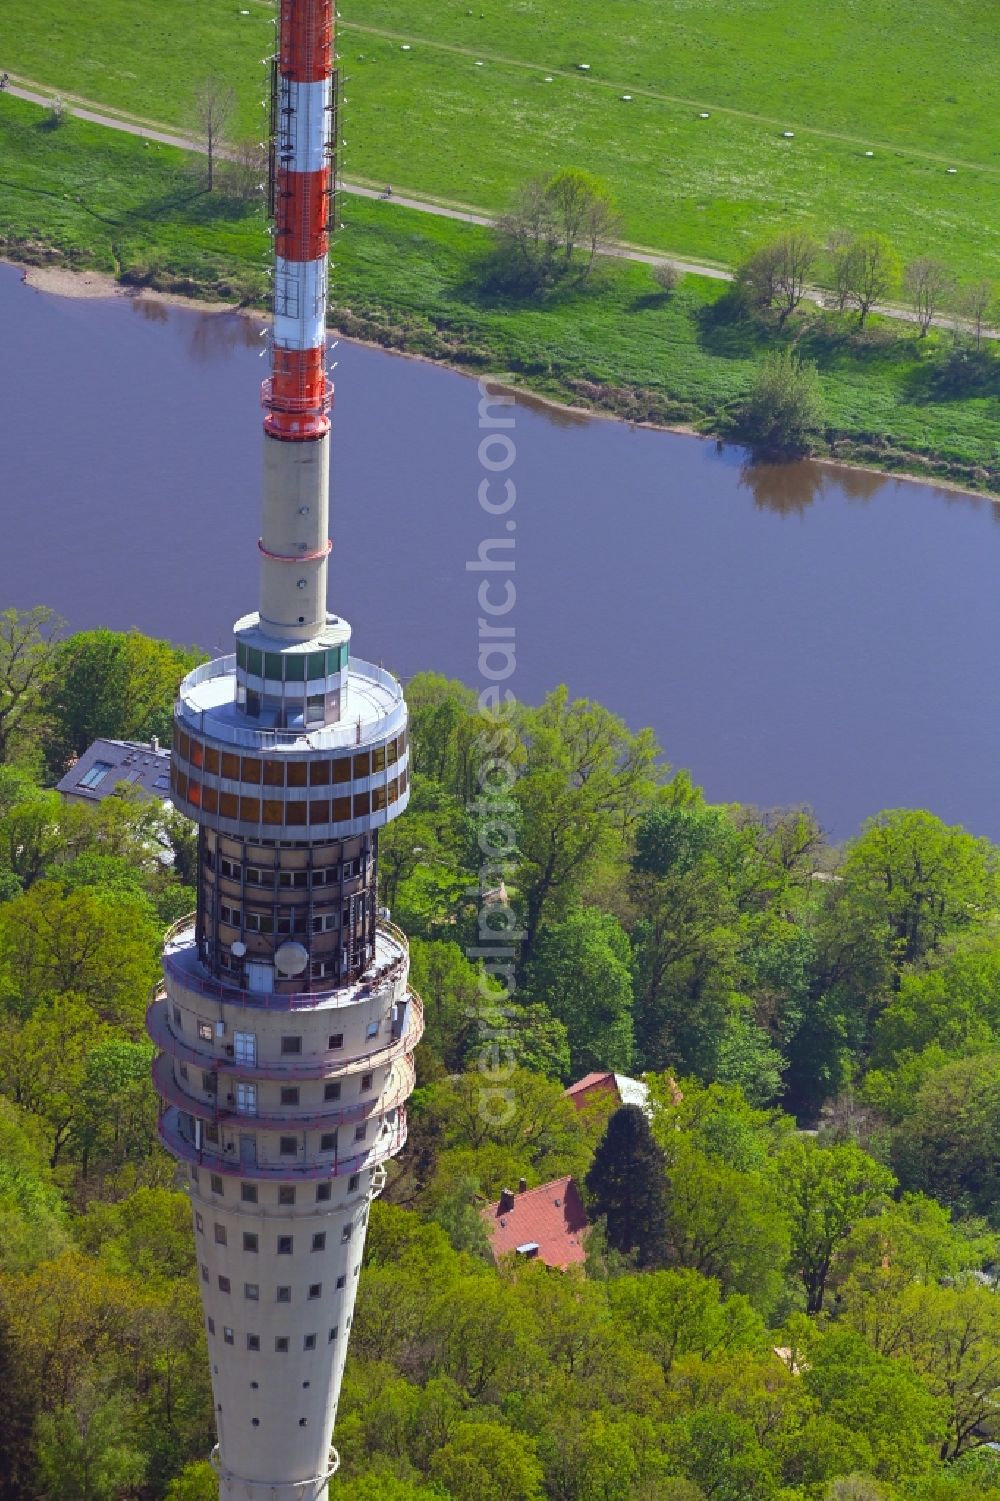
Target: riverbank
81 198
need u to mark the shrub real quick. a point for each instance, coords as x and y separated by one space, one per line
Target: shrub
666 276
784 407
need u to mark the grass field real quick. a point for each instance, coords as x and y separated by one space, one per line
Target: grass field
466 112
410 280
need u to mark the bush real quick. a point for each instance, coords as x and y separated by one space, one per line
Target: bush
666 276
784 407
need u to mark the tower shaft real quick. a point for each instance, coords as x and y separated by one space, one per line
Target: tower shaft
285 1027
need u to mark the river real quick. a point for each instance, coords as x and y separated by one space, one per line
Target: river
795 635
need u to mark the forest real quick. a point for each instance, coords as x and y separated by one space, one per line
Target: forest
797 1302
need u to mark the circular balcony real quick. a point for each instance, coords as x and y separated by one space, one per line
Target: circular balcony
284 1070
390 1142
398 1088
182 965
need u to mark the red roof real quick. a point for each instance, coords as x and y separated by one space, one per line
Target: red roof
551 1218
590 1085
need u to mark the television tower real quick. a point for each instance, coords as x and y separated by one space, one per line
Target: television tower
285 1026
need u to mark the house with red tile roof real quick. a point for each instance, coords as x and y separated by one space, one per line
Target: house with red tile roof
619 1088
544 1224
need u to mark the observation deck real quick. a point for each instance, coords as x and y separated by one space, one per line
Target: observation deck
254 781
373 709
183 967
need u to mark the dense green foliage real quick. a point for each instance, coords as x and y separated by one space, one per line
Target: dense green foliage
914 83
411 281
772 1308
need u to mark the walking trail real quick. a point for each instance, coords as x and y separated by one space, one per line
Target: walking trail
153 130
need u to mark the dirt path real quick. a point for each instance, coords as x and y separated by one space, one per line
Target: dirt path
150 130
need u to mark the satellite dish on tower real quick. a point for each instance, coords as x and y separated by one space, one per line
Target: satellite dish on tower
291 959
239 949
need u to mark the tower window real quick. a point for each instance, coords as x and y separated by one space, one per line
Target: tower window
227 1334
286 1193
319 1241
284 1245
224 1285
315 1289
251 1290
281 1344
284 1295
253 1341
341 1282
336 1041
353 1182
333 1334
211 1325
249 1240
217 1184
323 1192
291 1045
366 1082
288 1146
199 1224
220 1235
309 1342
331 1091
328 1141
289 1095
248 1193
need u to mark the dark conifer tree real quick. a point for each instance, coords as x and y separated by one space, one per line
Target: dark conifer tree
17 1421
627 1183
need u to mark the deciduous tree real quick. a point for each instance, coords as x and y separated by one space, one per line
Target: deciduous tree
871 271
928 284
825 1192
581 973
28 643
214 101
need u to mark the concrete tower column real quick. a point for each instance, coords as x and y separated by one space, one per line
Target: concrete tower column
286 1028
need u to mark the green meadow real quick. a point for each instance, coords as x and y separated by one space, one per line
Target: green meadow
412 281
467 112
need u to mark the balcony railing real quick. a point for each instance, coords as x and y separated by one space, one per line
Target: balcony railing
399 1087
188 973
213 721
388 1144
283 1070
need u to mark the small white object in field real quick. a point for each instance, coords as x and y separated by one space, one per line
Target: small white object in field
548 78
869 153
405 47
584 67
788 134
479 65
703 115
627 98
951 169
